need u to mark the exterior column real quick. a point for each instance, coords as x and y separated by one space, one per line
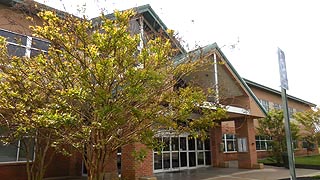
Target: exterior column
216 150
133 169
247 154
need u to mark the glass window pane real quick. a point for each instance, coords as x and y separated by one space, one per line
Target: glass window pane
24 144
166 141
157 161
230 145
8 152
166 160
207 144
258 146
34 53
230 136
200 158
191 144
175 160
175 144
269 145
208 158
263 145
40 44
183 143
14 37
199 144
183 156
14 50
192 159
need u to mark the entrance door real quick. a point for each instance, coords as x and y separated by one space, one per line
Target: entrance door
181 152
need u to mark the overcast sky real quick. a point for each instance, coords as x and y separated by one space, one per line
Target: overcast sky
259 26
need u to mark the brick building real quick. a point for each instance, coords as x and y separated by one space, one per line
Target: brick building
234 139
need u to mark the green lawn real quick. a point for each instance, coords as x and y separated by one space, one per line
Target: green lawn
306 160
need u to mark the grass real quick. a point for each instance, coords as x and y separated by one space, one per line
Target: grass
305 160
308 160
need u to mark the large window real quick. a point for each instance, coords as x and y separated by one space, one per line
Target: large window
263 143
22 45
16 151
265 104
307 144
229 141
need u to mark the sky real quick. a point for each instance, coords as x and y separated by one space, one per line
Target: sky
257 28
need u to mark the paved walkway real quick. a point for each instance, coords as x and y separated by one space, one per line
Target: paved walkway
210 173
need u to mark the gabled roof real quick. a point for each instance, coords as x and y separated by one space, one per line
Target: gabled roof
254 84
31 6
206 50
153 19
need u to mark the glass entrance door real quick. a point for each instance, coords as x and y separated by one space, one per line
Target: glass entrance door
181 152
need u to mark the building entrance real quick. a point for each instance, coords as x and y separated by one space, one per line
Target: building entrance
181 152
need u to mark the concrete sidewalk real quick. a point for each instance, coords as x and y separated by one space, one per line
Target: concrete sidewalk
210 173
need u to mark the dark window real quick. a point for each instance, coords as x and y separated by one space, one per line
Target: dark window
263 143
14 37
174 143
14 50
191 144
175 160
166 160
166 141
192 159
208 157
40 44
183 156
199 144
183 143
157 161
200 158
207 144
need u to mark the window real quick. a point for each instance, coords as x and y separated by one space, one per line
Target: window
295 144
263 143
290 112
22 45
229 141
277 106
265 104
242 145
180 152
308 145
16 151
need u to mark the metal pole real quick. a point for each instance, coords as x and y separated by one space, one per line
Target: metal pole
288 135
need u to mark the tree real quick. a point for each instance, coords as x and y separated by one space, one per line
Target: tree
310 120
95 91
273 126
25 105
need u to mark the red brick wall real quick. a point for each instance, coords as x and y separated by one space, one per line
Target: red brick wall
130 168
230 156
16 171
60 167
